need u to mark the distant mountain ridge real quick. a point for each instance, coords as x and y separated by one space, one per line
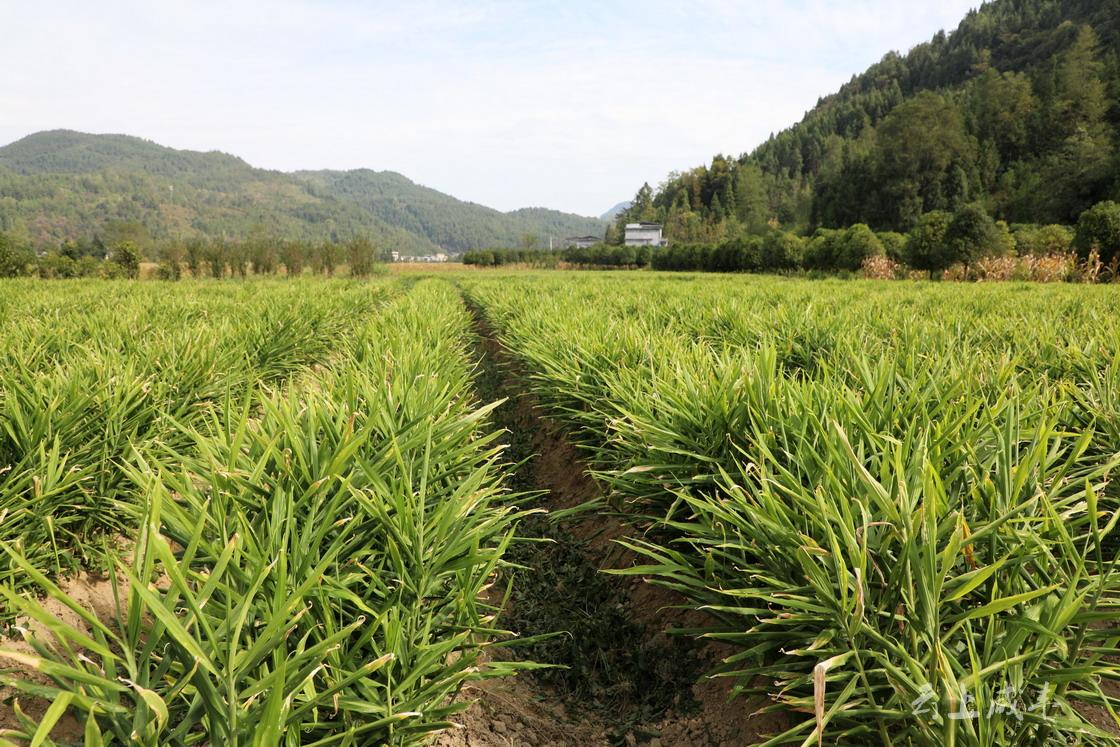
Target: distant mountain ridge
67 151
615 211
449 222
63 184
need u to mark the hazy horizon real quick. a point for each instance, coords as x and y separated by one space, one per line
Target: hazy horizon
504 104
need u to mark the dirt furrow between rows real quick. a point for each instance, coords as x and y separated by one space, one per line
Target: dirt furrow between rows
620 677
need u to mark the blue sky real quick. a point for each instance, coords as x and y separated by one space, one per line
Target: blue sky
570 105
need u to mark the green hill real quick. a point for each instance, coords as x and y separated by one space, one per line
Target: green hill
442 219
62 184
68 152
1017 109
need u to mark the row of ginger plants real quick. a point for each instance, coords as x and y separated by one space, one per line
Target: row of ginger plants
313 512
893 502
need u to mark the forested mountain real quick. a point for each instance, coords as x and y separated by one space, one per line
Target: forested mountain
450 223
68 185
1017 109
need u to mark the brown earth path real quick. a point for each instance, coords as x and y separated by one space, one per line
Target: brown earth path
527 711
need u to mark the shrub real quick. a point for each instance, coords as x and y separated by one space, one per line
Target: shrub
822 250
857 243
1099 227
926 247
781 251
894 245
262 253
15 260
111 271
642 256
360 255
293 257
237 255
972 234
171 262
88 267
55 266
479 257
598 255
326 257
214 256
195 250
1005 245
1042 241
743 253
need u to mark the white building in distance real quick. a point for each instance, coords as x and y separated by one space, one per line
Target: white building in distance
643 234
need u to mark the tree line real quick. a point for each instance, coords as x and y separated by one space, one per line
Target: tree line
939 240
118 253
597 255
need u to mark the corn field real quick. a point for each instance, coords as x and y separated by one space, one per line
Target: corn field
892 503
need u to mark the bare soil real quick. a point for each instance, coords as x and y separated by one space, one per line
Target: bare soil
92 592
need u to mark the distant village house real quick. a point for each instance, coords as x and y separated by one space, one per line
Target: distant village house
437 257
582 242
643 234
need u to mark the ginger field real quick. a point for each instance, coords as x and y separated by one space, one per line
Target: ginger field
330 512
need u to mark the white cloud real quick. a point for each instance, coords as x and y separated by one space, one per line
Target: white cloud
504 103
